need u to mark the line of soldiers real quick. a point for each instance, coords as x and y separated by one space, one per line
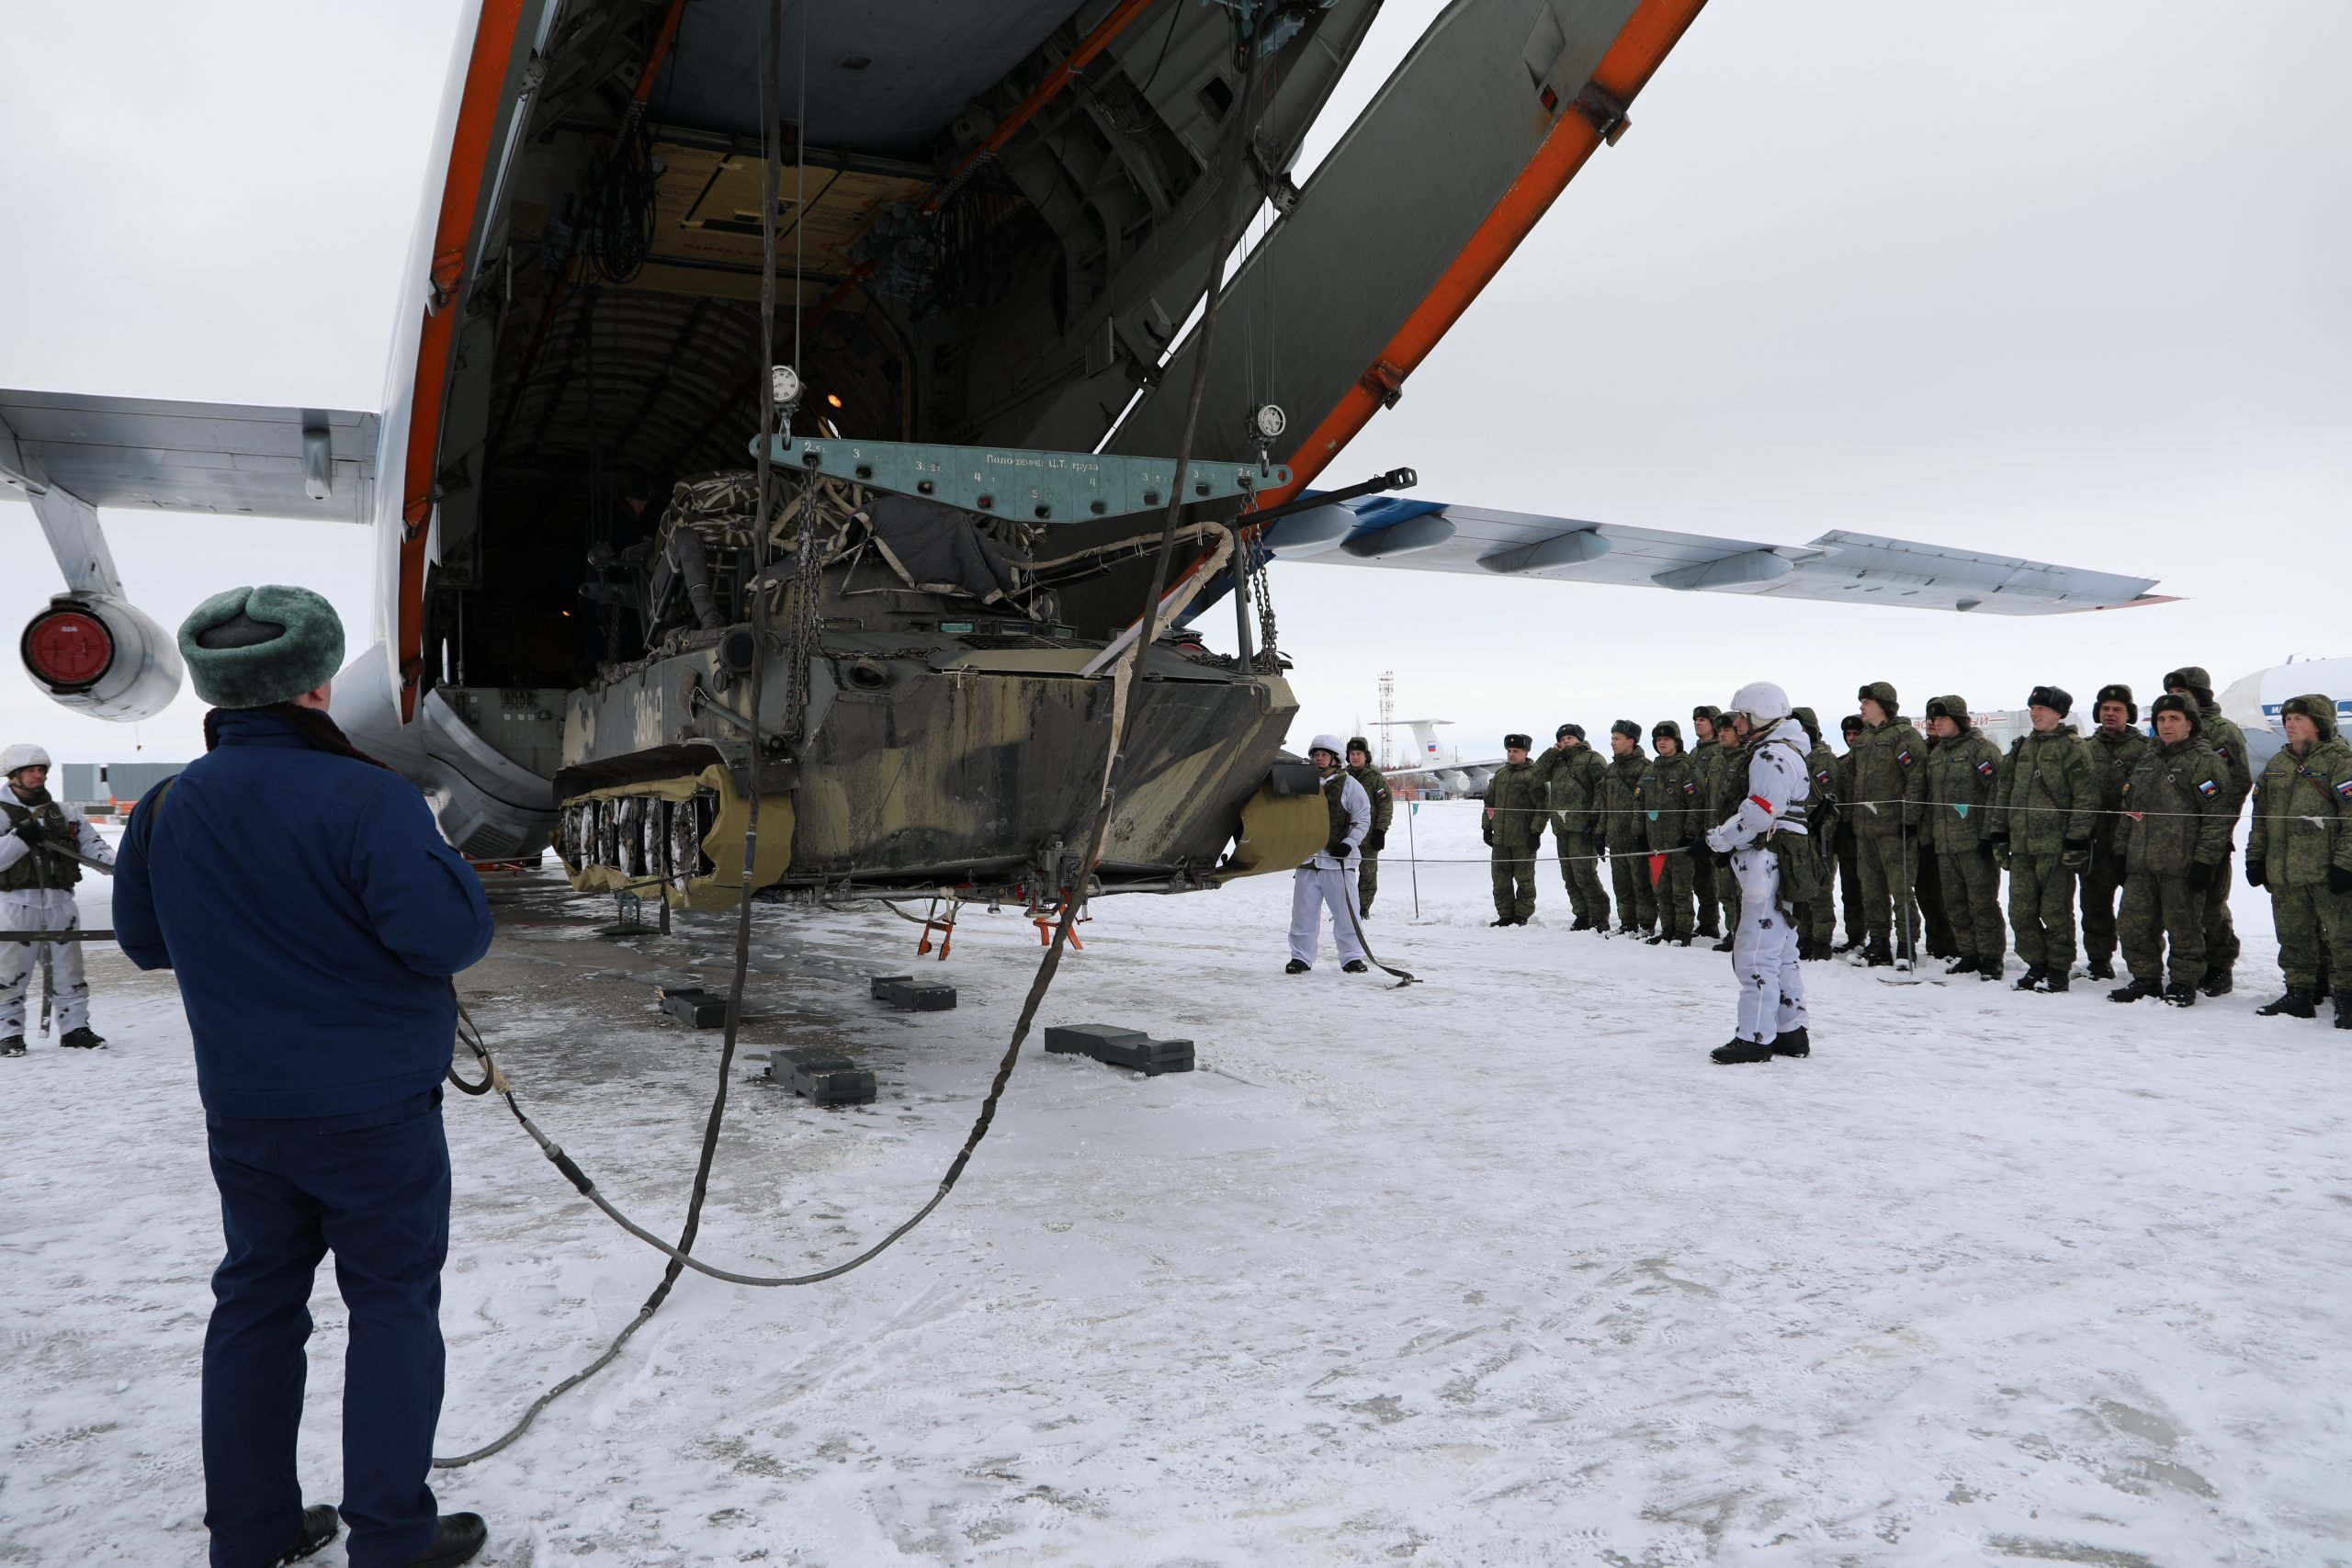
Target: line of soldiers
1920 828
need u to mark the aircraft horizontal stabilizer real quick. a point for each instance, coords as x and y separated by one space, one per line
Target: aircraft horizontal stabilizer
308 464
1839 567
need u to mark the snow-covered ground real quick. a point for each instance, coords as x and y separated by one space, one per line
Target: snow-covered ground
1493 1269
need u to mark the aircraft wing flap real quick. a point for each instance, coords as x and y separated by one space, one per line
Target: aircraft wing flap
1839 567
238 460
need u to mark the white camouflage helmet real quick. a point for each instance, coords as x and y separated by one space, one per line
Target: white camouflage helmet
22 756
1762 702
1330 743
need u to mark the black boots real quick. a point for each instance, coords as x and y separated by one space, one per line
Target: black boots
2218 982
1788 1042
1354 966
1581 923
2297 1003
2344 1007
1297 966
2180 994
2135 990
319 1525
1502 921
1724 946
1877 955
460 1540
82 1039
14 1045
1962 966
2056 980
2102 969
2032 978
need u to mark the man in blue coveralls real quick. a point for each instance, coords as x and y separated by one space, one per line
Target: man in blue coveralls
314 915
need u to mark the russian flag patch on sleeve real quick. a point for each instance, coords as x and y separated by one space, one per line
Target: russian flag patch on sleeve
2208 788
2344 790
1903 759
1984 769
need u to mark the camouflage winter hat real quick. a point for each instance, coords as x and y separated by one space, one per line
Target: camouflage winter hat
1626 728
2117 692
1812 724
2199 685
2056 698
1883 693
253 647
1358 743
2317 706
1851 725
1711 715
2173 702
1568 729
1954 708
1665 729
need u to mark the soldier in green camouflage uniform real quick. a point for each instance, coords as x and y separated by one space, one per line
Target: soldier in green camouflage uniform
1963 783
1572 771
1674 807
1817 919
2301 849
2177 838
1731 780
1709 759
2049 810
2115 748
1890 781
1516 804
1383 810
2228 742
1625 830
1844 845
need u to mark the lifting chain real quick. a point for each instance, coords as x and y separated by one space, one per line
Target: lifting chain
1268 657
804 609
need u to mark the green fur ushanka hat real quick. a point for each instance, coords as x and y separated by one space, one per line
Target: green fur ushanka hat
253 647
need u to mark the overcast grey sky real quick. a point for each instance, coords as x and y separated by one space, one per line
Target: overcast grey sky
2061 280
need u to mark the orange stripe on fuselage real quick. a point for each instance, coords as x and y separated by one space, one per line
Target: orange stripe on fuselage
1653 29
469 154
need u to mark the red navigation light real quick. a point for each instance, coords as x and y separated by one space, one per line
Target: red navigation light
67 649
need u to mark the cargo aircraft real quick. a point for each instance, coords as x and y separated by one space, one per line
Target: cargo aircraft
994 222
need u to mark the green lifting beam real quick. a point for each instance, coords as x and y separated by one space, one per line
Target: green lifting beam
1041 486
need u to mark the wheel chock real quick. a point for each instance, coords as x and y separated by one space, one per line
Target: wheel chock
914 995
1116 1047
821 1077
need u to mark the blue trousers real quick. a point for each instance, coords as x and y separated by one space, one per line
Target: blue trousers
374 1188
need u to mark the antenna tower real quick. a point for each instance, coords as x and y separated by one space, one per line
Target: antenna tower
1387 712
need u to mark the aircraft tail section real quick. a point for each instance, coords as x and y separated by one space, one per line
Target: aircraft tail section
1425 752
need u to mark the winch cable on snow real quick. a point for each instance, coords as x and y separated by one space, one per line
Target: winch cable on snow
1127 688
1403 977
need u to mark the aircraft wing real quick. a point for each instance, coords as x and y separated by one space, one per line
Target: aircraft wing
317 464
1839 567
